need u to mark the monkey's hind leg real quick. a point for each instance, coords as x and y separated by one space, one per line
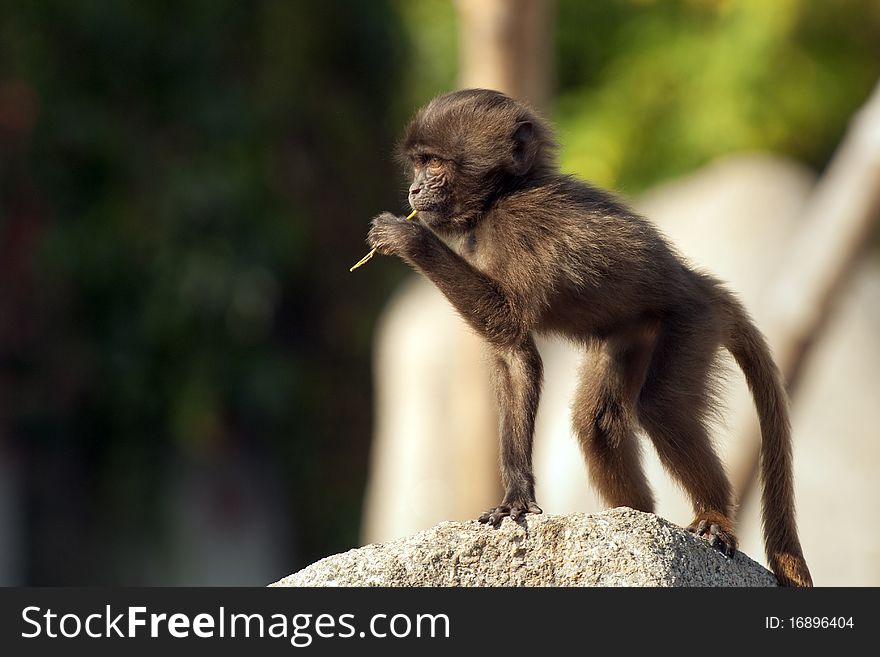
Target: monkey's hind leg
603 415
517 378
672 408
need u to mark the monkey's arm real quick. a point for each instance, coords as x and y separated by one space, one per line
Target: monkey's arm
492 311
481 301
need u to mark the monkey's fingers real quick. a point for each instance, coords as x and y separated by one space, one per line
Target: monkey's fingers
369 256
521 507
717 536
514 510
495 516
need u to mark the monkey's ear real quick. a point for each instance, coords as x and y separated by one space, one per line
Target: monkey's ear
525 148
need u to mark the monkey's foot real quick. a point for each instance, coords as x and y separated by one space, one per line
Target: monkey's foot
514 510
717 531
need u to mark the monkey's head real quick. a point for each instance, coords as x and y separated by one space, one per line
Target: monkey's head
466 149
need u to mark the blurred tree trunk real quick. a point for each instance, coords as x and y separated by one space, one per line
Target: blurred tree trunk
503 45
507 45
837 222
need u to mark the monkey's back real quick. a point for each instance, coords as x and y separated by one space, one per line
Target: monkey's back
582 246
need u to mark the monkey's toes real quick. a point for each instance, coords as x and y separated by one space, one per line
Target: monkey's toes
718 537
514 510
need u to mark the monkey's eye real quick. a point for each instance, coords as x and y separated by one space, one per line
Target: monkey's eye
423 160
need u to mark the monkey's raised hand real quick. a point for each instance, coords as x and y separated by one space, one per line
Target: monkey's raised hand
392 235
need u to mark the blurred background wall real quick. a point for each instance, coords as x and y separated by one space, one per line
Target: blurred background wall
185 361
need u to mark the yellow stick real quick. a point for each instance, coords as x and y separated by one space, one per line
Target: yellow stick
367 257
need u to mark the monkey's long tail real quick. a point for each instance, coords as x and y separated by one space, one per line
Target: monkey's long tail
752 354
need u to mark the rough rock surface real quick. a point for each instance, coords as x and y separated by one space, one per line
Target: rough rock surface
620 547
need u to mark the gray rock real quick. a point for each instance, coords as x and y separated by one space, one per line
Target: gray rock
620 547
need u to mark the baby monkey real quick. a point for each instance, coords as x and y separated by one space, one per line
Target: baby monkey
519 248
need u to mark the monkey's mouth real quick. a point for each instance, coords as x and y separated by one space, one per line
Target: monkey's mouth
429 213
423 204
430 200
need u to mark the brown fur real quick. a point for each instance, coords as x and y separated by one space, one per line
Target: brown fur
519 248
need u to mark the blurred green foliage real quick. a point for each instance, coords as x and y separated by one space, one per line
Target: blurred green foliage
183 196
650 90
183 186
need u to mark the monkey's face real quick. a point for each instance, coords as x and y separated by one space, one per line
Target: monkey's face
465 149
431 191
450 188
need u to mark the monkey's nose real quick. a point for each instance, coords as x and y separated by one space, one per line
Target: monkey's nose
414 190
